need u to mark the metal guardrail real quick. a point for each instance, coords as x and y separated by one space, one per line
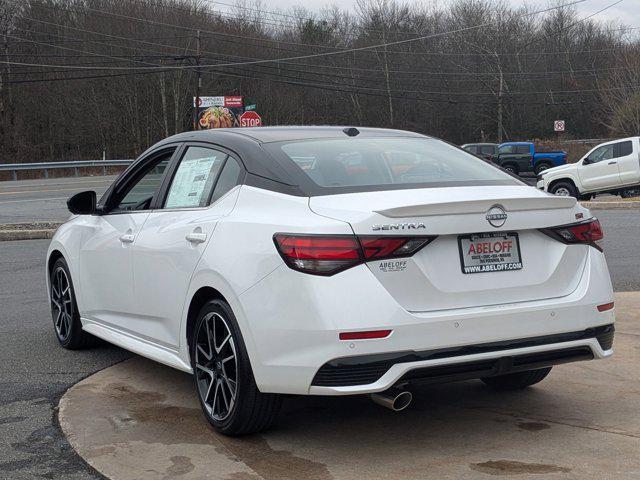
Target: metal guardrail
46 166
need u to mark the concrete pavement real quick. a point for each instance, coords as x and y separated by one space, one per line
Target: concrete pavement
139 420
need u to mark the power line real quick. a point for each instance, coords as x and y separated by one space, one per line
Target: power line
516 93
356 49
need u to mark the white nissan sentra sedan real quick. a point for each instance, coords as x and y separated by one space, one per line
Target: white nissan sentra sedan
329 261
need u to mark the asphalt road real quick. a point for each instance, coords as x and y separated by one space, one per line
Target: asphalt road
32 200
35 371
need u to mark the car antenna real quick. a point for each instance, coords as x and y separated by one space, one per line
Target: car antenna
351 131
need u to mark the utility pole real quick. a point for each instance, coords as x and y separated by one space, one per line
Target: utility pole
198 60
500 93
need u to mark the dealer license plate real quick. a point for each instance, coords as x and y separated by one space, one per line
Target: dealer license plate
489 252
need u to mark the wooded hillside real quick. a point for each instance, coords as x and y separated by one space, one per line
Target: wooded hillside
79 77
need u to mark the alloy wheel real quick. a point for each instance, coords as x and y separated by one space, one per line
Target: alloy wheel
216 366
61 303
562 192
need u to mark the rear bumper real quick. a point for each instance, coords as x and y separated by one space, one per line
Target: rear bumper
291 323
378 372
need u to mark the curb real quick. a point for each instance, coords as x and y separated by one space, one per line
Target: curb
27 231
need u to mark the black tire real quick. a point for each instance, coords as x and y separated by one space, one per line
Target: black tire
564 188
510 167
517 381
64 309
630 193
541 167
245 411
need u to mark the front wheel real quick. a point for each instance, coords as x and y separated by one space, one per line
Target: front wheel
517 381
564 189
64 309
222 372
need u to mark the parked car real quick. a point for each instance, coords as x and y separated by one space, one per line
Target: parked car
522 157
611 167
329 261
488 151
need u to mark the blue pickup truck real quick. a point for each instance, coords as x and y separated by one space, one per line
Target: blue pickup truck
522 157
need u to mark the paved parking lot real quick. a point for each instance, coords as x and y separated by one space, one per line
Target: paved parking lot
580 423
35 373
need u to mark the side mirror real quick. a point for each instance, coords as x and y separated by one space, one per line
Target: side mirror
83 203
586 161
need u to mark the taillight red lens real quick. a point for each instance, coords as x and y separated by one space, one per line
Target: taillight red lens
379 248
589 232
322 255
330 254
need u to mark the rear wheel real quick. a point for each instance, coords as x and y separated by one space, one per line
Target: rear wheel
564 189
517 381
511 168
64 309
224 380
541 167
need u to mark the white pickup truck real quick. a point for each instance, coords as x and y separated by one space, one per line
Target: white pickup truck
612 167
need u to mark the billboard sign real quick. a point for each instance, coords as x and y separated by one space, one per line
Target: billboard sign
219 112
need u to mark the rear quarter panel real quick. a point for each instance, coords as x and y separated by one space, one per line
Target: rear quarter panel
242 252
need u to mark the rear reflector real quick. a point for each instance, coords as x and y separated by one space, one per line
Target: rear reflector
371 334
606 306
330 254
587 233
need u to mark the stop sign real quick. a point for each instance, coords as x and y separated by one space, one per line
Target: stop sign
250 119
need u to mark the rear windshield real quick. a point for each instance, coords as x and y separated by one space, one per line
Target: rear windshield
390 161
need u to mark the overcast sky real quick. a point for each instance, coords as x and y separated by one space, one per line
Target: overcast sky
627 12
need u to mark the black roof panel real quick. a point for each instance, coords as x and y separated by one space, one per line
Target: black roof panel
281 134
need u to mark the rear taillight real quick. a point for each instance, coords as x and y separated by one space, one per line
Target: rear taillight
587 233
330 254
380 248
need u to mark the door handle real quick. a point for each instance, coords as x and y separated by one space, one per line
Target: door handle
196 237
612 163
127 238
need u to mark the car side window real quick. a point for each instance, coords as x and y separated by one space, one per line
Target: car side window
195 177
507 149
471 148
227 180
486 150
605 152
141 192
624 148
522 149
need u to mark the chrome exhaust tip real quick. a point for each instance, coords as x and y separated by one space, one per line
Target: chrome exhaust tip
393 399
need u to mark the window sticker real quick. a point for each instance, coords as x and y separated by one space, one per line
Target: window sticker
190 182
